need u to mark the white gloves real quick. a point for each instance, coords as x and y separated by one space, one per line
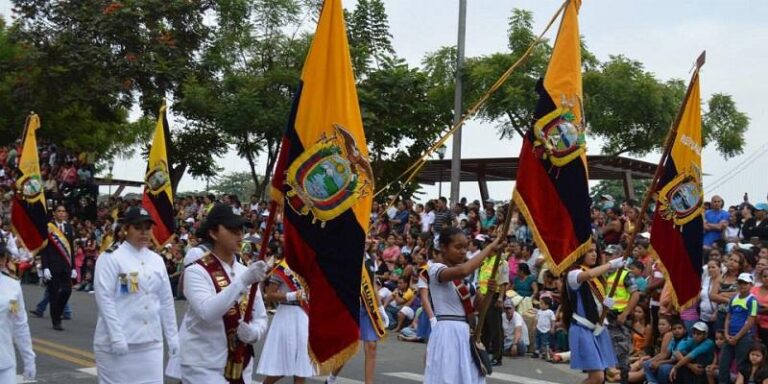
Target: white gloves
30 371
249 334
47 274
120 347
384 316
296 296
73 275
173 347
255 273
608 302
432 322
617 263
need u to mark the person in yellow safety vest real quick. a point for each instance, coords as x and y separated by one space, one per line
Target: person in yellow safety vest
493 333
621 305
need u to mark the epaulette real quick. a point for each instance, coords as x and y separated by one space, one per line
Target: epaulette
9 275
112 247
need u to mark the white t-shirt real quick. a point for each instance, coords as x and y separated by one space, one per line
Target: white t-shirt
509 326
545 319
427 219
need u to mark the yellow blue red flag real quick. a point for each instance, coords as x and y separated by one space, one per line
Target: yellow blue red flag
324 182
29 211
158 194
551 188
677 232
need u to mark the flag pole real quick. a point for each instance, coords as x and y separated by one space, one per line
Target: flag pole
267 230
671 134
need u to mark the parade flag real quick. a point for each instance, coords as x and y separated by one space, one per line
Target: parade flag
29 212
323 181
677 232
158 194
551 188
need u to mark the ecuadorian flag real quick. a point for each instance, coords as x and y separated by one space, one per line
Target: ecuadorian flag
324 183
552 189
158 193
29 212
677 232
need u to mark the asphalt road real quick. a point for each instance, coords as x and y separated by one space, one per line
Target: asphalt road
67 357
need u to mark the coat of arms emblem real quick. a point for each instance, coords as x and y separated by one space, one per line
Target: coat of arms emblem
329 177
682 199
559 136
157 178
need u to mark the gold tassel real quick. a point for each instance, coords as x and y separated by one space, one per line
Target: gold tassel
134 282
233 371
14 306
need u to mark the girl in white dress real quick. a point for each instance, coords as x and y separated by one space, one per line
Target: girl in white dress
449 358
285 351
135 307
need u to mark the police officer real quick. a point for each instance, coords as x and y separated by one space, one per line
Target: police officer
624 300
14 329
135 307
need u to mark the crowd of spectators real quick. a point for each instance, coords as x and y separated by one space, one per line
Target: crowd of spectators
718 339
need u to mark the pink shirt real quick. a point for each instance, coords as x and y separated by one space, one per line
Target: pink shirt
762 300
390 255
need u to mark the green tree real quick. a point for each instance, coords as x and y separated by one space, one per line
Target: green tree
240 184
615 188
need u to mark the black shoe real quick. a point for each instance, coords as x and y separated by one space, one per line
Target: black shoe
36 313
58 327
496 363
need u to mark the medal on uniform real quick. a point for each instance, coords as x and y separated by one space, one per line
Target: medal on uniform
14 306
134 282
123 282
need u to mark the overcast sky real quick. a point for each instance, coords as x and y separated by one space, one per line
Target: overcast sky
665 36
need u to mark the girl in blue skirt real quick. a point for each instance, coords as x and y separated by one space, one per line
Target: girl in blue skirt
591 348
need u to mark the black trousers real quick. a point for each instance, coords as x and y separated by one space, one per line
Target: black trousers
59 289
493 335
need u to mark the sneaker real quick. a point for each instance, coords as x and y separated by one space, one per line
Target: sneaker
36 313
535 355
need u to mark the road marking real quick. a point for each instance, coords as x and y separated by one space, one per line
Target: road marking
89 371
498 376
79 352
339 380
63 356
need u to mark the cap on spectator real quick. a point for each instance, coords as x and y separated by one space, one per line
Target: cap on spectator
645 235
190 220
701 326
745 277
508 303
761 207
482 238
607 197
613 249
136 215
265 213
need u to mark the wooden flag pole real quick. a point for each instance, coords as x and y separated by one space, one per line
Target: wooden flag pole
671 134
267 230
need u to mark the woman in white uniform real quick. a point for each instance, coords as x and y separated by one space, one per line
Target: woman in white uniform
285 351
135 307
449 358
225 311
14 329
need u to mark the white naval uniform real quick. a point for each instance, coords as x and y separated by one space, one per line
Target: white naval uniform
13 330
138 318
202 334
449 358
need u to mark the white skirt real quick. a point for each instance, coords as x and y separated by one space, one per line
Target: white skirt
285 351
202 375
8 375
449 360
143 364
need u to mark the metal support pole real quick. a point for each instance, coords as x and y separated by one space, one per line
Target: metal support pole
458 108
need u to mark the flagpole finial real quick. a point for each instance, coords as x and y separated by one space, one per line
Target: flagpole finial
702 59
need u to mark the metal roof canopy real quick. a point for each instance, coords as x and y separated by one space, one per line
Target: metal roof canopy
484 170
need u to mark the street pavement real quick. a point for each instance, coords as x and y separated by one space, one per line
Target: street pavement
67 357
